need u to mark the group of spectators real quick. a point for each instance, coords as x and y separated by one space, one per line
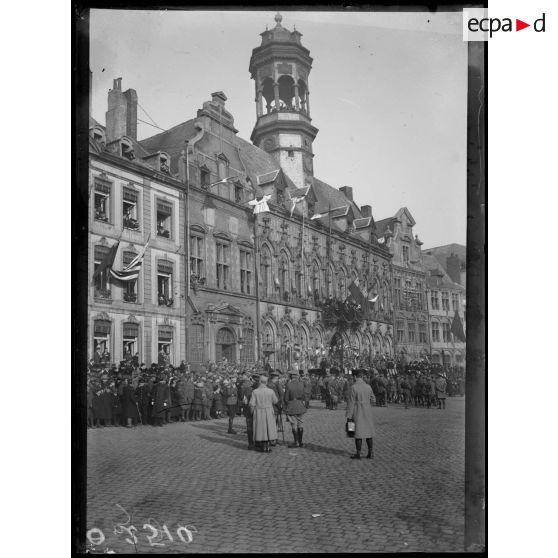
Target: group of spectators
133 394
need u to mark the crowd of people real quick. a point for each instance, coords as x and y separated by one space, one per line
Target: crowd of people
132 394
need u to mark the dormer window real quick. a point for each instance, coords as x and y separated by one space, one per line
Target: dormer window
127 149
99 135
164 163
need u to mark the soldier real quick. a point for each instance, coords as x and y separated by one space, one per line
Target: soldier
274 384
295 409
405 391
327 396
160 397
197 401
230 398
441 384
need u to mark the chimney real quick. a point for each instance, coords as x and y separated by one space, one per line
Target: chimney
122 114
348 191
132 114
218 97
366 211
453 268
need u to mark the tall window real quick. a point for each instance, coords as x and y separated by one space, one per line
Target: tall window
411 328
238 193
165 342
445 301
435 301
164 219
284 276
204 177
400 332
165 270
265 271
299 278
195 343
454 301
446 332
435 331
196 256
331 281
223 265
342 285
102 200
397 289
245 271
405 253
422 333
130 340
101 337
315 280
247 352
130 209
102 285
130 287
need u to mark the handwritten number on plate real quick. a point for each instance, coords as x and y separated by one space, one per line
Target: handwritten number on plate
153 536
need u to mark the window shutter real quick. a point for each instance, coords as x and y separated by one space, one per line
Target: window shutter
130 195
165 333
131 330
164 207
101 252
101 327
165 266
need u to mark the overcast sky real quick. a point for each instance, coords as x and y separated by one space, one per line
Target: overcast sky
388 92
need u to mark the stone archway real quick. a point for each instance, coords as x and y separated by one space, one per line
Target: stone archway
225 345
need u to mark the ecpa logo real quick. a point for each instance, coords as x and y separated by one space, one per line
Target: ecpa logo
477 26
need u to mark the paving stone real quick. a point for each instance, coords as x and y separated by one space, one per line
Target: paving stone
196 475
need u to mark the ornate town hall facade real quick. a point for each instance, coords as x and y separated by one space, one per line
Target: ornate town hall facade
219 279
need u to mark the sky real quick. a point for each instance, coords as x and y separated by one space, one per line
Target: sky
388 93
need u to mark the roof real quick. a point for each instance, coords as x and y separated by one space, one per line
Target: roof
443 280
442 252
383 224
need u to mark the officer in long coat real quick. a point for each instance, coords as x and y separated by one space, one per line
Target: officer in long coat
359 409
294 407
441 391
261 405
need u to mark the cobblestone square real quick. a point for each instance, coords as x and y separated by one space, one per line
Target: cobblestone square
192 487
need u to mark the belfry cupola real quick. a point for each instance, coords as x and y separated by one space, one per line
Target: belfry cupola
280 67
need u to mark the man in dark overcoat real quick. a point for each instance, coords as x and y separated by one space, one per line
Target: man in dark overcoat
230 398
359 409
161 401
294 407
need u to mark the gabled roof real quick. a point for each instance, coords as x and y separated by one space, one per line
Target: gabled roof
362 223
383 224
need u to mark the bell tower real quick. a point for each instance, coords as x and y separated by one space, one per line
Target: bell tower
280 67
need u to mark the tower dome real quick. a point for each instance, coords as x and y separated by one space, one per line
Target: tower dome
280 67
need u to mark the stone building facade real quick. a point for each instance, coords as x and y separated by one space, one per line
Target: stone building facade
133 199
246 286
445 298
408 280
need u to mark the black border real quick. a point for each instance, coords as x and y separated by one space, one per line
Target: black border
477 134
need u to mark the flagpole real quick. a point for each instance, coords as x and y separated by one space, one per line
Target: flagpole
257 285
186 247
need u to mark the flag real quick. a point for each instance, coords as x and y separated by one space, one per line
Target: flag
132 270
260 206
296 200
457 328
108 260
381 240
374 298
356 293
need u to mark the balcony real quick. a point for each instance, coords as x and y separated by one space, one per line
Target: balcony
100 215
130 297
163 232
130 223
163 300
103 293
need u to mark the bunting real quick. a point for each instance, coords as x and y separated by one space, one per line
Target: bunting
457 328
108 260
260 206
132 270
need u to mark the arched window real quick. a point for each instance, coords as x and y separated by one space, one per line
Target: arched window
331 281
265 271
315 280
130 340
342 285
302 95
284 275
268 94
299 277
304 346
286 92
101 340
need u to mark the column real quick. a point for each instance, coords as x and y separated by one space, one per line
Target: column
276 94
297 100
308 103
259 109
